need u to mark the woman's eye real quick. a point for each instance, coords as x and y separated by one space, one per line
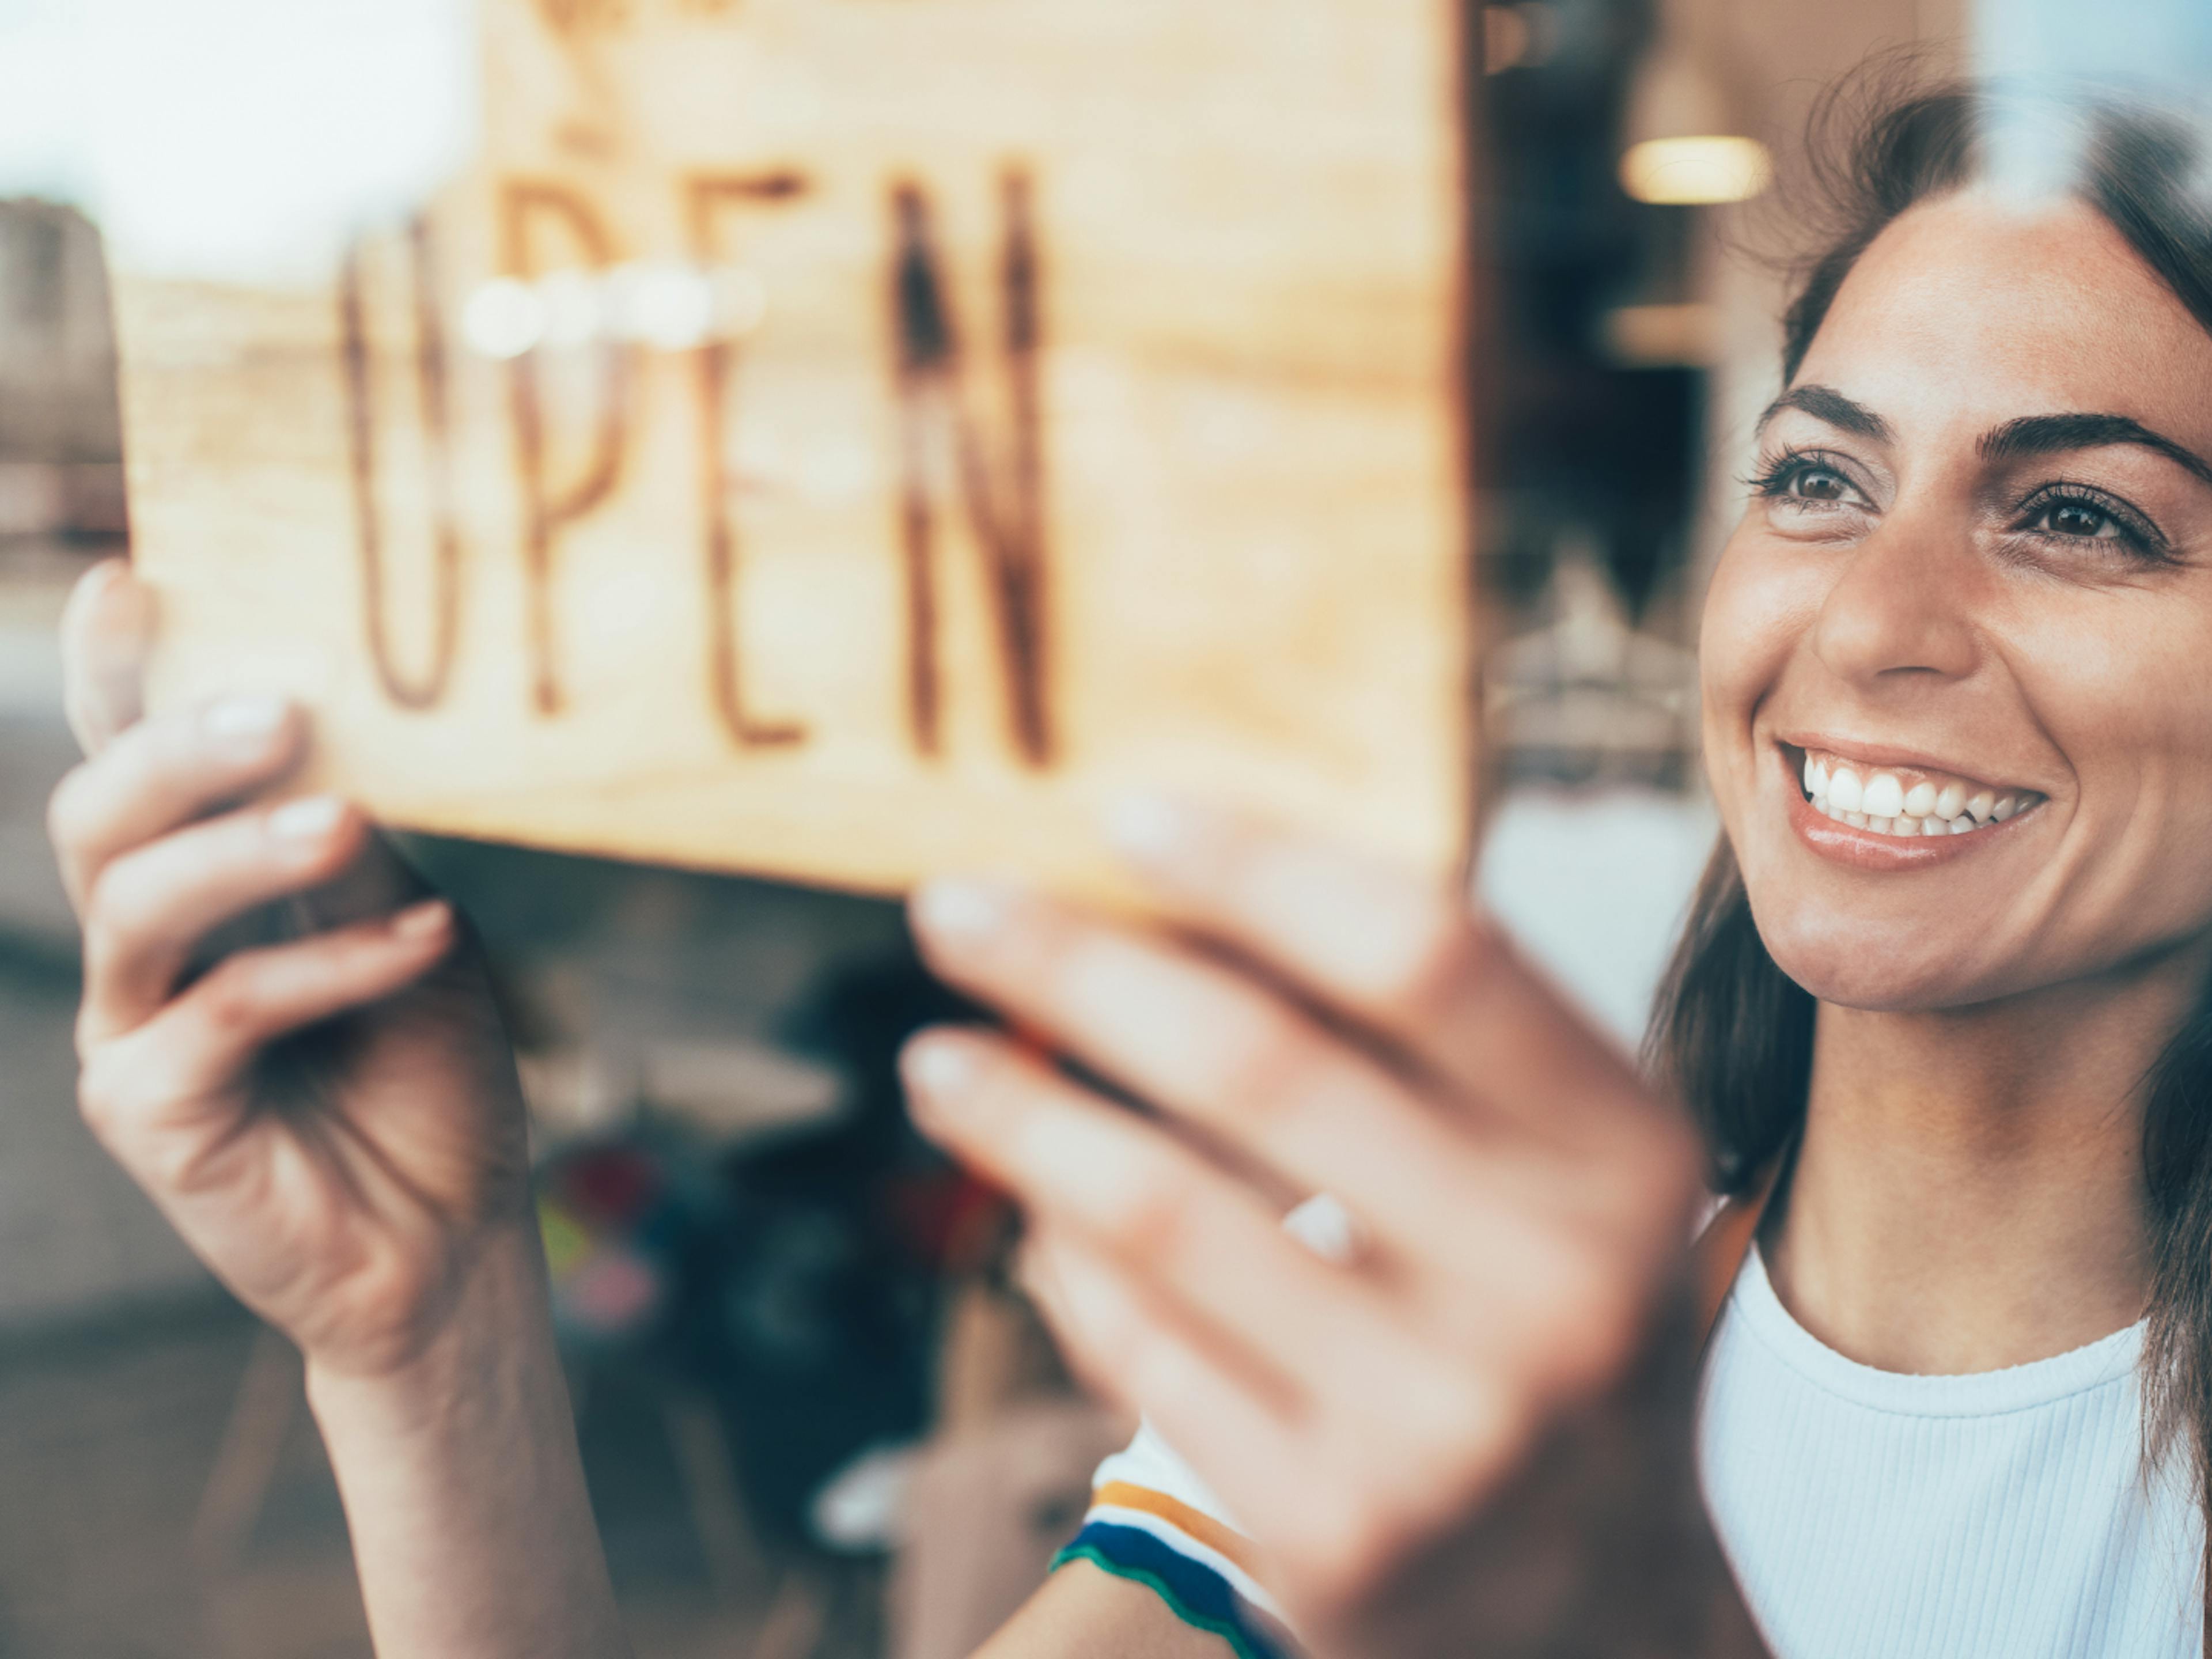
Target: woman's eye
2079 520
1806 483
1818 484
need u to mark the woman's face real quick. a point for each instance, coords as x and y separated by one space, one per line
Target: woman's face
1970 601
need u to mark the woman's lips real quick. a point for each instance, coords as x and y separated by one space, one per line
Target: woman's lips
1864 848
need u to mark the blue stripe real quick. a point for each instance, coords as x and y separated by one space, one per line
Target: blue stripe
1195 1593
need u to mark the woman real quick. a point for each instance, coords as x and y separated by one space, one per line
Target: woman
1941 1005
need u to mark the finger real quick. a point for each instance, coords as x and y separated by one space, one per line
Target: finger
1220 1049
1394 948
162 773
148 1094
1082 1167
375 882
108 629
152 907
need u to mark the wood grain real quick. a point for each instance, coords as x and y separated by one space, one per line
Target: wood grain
1080 411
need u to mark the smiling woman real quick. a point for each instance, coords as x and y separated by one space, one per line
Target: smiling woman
1942 999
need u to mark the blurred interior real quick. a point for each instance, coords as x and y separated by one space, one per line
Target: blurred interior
816 1418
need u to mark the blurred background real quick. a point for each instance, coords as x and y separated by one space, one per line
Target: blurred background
815 1417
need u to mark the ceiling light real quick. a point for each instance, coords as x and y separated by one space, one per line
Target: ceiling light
1684 139
1700 169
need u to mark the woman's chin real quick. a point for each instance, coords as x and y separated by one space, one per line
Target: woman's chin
1873 970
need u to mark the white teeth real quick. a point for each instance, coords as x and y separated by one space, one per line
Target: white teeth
1880 801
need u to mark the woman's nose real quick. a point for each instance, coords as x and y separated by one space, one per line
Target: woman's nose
1901 605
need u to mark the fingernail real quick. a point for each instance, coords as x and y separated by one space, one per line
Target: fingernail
961 910
246 723
422 920
937 1065
307 820
1146 827
1160 834
91 590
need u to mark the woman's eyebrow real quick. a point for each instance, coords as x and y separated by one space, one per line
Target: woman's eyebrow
1825 402
2051 434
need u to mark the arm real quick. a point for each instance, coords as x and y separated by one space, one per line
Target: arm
292 1049
472 1529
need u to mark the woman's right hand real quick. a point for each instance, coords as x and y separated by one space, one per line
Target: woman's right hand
282 1039
1469 1427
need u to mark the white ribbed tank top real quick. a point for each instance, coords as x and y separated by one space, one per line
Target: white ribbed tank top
2006 1515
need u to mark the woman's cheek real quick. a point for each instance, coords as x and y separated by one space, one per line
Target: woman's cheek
1744 643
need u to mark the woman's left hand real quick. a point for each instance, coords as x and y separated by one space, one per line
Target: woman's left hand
1474 1434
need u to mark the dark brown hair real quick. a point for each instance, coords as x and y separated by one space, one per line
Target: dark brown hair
1731 1034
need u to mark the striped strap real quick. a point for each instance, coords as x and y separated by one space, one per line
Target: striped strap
1197 1595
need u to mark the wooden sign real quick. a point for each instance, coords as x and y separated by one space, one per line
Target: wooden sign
848 438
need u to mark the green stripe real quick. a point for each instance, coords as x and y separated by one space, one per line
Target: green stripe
1159 1587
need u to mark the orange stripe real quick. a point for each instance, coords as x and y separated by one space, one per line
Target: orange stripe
1234 1546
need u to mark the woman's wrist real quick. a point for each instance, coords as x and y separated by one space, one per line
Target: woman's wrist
495 1327
463 1488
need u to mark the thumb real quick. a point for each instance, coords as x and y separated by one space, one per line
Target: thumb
107 631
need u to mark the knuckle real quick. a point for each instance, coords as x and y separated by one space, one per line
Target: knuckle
1366 1537
173 749
229 997
119 922
1449 955
66 826
1155 1221
1589 1311
88 1036
1444 1419
178 1161
106 1099
96 1102
1108 1330
111 901
1266 1064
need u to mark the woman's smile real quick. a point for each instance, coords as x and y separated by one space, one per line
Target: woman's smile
1851 805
